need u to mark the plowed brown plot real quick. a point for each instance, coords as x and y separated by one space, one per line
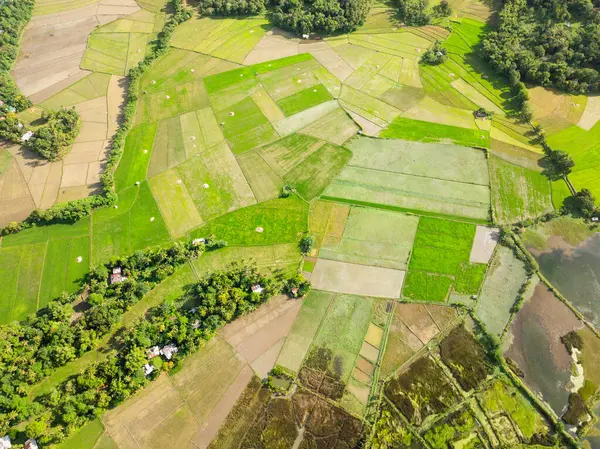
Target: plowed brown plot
258 337
413 326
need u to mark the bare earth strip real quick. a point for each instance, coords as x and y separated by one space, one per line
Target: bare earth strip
355 279
591 114
484 244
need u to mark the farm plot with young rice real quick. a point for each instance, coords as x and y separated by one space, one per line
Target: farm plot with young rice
398 175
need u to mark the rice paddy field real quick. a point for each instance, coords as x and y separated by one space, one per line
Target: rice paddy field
248 135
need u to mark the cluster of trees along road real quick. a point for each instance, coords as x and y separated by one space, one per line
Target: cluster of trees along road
33 349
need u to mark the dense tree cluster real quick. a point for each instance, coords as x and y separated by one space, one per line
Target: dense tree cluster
548 42
188 324
414 12
32 349
324 16
435 55
14 16
231 8
53 140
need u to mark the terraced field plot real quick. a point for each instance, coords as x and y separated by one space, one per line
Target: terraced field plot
430 276
518 193
370 237
340 368
398 175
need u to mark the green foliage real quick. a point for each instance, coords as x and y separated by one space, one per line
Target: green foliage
296 286
584 202
435 55
442 9
389 434
426 287
327 16
306 244
14 16
229 8
548 43
414 12
422 131
558 164
53 139
48 340
217 300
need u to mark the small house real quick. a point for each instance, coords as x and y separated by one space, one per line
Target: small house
31 444
196 242
153 352
595 219
28 135
5 442
257 289
148 369
196 324
117 276
168 351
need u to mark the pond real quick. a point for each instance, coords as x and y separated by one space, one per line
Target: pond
533 342
575 271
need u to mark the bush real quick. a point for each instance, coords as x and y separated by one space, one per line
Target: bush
414 12
584 201
326 16
435 55
53 140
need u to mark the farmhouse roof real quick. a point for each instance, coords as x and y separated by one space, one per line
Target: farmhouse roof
5 442
169 350
116 270
257 288
31 444
148 369
153 352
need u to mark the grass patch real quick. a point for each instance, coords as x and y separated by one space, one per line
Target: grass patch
304 99
84 438
426 287
282 221
136 156
518 193
129 227
434 237
283 259
409 129
370 237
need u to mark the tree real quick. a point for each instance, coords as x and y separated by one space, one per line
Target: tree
442 9
414 12
585 203
562 162
53 139
435 55
306 244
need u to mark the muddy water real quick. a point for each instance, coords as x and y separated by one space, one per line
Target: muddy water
575 271
534 344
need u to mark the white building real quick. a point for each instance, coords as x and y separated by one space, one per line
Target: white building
168 351
148 369
31 444
153 352
5 442
257 289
